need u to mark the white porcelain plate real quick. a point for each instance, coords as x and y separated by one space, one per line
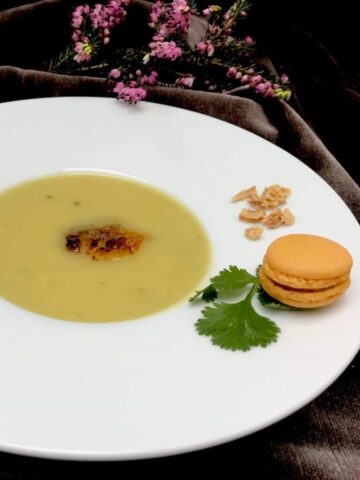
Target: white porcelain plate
153 386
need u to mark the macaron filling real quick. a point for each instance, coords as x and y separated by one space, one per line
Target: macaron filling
301 283
301 297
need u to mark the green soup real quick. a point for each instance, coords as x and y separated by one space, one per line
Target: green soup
39 274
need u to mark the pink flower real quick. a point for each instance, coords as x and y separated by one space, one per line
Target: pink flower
180 6
261 88
187 81
78 15
265 89
166 50
269 93
179 17
83 50
284 78
105 17
267 85
149 79
156 13
161 33
97 15
255 80
169 19
205 48
201 46
231 73
75 37
129 94
211 9
115 73
248 39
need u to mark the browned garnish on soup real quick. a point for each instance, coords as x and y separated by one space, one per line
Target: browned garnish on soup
105 243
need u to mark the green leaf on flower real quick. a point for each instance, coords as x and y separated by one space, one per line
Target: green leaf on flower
232 278
237 326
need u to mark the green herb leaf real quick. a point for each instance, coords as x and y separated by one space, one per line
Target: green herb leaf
229 279
267 301
237 326
232 278
209 293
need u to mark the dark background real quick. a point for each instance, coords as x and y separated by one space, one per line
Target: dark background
316 42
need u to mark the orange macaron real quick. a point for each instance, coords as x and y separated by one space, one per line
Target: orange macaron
305 271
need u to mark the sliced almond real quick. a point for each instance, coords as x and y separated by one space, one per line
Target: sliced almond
244 194
248 215
253 233
288 217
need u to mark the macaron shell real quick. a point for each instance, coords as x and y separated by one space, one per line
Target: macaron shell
302 298
300 282
309 257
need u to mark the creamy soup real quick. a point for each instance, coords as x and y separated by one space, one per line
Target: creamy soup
40 274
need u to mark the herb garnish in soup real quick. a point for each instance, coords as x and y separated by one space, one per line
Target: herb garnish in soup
97 248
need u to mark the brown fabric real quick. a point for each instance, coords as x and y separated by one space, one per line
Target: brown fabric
321 441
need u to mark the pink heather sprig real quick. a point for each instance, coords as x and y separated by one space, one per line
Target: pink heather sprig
257 82
131 89
129 93
170 19
157 14
186 81
147 79
104 18
179 17
93 26
165 50
79 16
212 54
230 18
220 27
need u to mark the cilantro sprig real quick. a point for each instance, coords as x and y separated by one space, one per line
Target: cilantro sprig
236 326
227 280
